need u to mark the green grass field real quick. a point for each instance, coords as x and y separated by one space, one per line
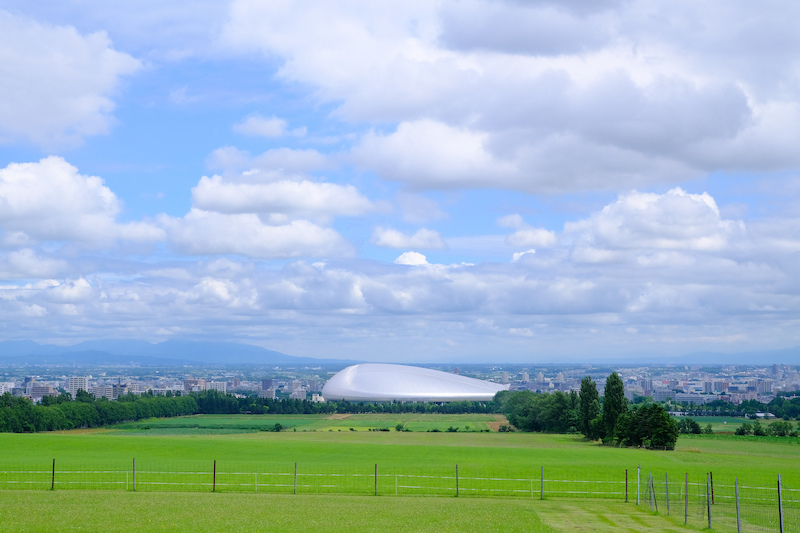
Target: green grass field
721 424
502 469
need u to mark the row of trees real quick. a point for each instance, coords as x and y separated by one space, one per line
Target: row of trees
779 428
610 419
781 406
19 415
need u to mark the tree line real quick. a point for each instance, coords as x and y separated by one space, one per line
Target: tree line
785 405
20 415
610 419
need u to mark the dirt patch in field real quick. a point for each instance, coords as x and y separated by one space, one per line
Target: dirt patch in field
337 416
499 420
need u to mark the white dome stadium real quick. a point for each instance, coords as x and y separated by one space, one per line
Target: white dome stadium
374 382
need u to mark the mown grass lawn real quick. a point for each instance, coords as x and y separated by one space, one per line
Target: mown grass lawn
499 471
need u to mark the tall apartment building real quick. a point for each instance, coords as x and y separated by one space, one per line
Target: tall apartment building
75 383
220 386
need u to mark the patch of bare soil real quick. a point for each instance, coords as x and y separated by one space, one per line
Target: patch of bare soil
499 420
337 416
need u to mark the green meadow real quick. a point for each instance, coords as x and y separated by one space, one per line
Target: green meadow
238 459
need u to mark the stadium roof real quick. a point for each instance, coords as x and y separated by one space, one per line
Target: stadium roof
374 382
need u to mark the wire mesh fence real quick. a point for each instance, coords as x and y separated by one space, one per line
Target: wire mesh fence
756 504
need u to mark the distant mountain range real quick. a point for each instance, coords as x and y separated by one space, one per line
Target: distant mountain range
180 352
167 353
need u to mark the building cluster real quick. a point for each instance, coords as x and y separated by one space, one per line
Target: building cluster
698 385
36 388
689 385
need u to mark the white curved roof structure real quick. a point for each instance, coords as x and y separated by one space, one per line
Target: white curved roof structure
374 382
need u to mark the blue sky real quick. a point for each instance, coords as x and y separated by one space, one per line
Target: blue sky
403 181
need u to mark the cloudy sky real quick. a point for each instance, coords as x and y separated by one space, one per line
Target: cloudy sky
466 180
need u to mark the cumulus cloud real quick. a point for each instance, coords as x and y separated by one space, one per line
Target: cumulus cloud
50 200
412 259
26 263
423 238
232 160
516 256
676 220
639 100
525 234
207 233
57 84
257 125
294 198
430 154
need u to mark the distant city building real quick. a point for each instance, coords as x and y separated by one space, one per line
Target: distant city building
298 394
37 392
103 391
194 385
76 383
266 384
267 393
220 386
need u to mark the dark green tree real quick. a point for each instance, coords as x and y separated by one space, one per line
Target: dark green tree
589 406
614 404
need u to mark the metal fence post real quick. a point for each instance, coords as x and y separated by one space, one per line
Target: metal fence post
738 516
626 485
780 502
666 486
295 478
53 479
686 499
638 482
711 477
134 474
653 499
376 479
541 487
708 500
214 478
456 481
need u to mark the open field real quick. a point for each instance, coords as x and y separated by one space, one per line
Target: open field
226 424
341 465
721 424
109 511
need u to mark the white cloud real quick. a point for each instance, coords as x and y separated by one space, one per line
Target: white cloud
423 238
294 198
208 233
603 98
260 126
57 84
411 259
286 160
675 220
532 237
28 264
516 256
50 200
428 154
525 234
257 125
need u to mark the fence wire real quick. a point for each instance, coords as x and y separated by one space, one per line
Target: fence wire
700 501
